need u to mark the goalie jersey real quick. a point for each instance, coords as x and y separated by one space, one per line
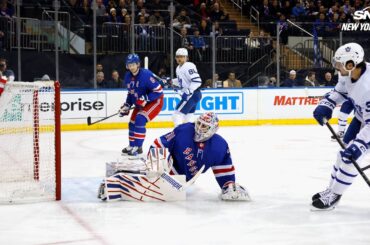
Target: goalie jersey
144 84
189 156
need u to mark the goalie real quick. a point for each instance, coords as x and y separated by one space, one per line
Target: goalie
193 149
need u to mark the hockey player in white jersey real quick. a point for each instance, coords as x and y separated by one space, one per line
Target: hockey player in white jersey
354 85
188 83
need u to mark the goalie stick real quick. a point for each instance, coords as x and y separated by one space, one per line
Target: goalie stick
168 178
359 169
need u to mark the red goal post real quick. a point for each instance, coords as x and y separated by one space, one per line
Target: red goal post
30 142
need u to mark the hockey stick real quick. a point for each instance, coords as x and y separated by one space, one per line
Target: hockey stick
89 123
359 169
168 178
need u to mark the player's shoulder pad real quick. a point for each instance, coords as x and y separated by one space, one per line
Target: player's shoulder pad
219 140
190 65
184 128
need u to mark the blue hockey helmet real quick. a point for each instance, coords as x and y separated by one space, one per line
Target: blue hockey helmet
132 58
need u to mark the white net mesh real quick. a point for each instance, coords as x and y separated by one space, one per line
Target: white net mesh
27 142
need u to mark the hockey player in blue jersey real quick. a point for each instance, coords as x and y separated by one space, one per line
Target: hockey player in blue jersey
192 145
188 83
146 94
354 85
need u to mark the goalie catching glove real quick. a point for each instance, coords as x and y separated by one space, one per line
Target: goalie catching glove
234 192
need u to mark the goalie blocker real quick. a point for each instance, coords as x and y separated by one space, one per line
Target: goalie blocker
193 149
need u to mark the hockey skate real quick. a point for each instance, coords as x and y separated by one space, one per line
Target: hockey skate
320 194
340 135
326 202
101 192
133 152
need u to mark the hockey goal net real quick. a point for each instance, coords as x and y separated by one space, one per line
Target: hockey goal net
30 142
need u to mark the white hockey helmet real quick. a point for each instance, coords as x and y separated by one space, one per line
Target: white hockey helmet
182 52
350 52
206 125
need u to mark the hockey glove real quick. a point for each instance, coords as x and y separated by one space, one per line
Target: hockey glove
124 110
234 192
142 101
355 151
324 110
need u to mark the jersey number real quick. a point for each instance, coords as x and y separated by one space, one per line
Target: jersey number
191 71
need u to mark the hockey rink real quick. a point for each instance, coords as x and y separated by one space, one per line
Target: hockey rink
281 166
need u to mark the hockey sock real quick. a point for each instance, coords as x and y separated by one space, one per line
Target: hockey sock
344 178
342 121
140 130
131 130
338 162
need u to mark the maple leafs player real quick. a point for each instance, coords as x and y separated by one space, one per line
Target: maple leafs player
189 83
354 85
146 94
192 145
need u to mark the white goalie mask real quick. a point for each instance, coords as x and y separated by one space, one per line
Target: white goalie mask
206 125
350 52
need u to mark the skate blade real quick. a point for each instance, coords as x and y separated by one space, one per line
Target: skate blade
314 209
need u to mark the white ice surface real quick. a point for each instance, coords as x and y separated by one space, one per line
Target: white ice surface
282 166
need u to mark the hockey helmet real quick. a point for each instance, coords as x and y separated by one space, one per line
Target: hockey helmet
206 125
132 58
350 52
182 52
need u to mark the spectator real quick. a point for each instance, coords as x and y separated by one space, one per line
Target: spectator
199 45
116 81
156 18
328 80
287 9
182 20
143 31
204 29
124 13
99 67
6 10
185 40
203 11
218 29
310 80
6 72
122 4
298 9
218 14
144 13
232 82
264 41
100 80
291 81
113 16
214 83
100 8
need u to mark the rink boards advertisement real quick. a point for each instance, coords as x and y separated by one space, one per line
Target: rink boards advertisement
234 106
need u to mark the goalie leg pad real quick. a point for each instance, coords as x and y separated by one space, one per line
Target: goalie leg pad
132 187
